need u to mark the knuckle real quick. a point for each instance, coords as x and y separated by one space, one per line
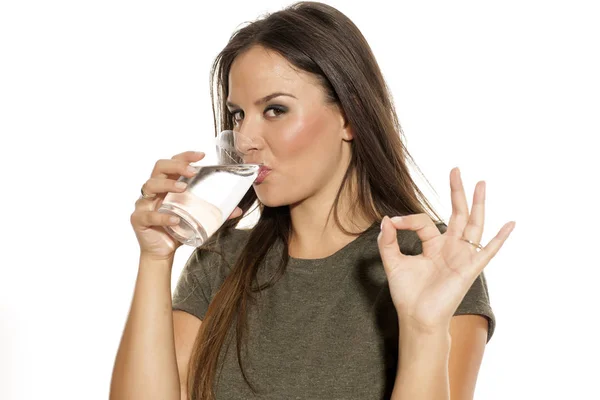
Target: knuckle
138 203
148 186
159 165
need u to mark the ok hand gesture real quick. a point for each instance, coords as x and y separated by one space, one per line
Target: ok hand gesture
427 289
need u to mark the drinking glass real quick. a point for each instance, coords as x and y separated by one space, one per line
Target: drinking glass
221 181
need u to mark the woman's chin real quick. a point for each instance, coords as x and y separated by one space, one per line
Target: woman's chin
268 199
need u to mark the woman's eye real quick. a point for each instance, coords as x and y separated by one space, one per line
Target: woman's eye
234 115
276 111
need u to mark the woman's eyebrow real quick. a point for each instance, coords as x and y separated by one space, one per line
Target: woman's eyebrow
264 99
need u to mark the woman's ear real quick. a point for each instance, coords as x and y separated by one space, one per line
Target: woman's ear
347 134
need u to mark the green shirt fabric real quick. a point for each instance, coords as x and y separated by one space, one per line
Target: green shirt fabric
326 330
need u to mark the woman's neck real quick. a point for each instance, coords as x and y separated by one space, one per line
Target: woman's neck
314 235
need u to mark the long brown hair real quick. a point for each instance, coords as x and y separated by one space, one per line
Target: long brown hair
320 40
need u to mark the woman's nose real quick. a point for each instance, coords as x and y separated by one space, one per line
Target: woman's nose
247 140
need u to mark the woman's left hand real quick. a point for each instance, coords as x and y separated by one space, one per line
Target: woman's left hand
428 288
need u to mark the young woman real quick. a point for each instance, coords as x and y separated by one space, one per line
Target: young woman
326 297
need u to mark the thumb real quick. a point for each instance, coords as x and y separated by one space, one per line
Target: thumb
387 242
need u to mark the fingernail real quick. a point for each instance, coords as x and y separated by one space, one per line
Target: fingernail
396 219
382 220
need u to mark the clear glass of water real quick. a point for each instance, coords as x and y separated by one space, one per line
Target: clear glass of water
221 181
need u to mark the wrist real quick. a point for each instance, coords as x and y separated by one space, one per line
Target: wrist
156 261
413 328
423 362
414 340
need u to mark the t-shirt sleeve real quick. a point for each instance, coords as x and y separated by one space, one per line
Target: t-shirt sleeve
477 299
193 291
205 271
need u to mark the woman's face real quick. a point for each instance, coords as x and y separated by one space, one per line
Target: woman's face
296 134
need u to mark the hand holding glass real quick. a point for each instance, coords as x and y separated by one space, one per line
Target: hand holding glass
213 192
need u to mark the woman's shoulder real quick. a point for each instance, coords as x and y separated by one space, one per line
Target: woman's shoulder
218 251
232 238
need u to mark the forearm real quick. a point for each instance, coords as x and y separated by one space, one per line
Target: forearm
422 365
146 365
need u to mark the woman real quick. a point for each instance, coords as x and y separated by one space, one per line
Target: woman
317 300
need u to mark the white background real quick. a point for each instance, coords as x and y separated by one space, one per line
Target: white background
93 93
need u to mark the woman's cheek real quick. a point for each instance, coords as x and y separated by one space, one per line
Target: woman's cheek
300 135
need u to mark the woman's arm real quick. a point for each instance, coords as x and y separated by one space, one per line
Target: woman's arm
469 335
422 372
443 365
146 365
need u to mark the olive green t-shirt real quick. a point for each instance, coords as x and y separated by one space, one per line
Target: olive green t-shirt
326 330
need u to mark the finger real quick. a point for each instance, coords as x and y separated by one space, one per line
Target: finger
162 185
387 241
474 229
147 219
420 223
177 165
146 203
189 156
145 195
484 256
173 169
460 208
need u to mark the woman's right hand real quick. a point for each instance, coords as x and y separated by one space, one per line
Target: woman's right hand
147 222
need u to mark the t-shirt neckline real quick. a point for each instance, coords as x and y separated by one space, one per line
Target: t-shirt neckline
337 254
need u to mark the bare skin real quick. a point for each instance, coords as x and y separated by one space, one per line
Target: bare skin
146 221
307 146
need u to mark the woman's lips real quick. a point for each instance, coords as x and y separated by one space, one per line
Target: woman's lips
262 174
